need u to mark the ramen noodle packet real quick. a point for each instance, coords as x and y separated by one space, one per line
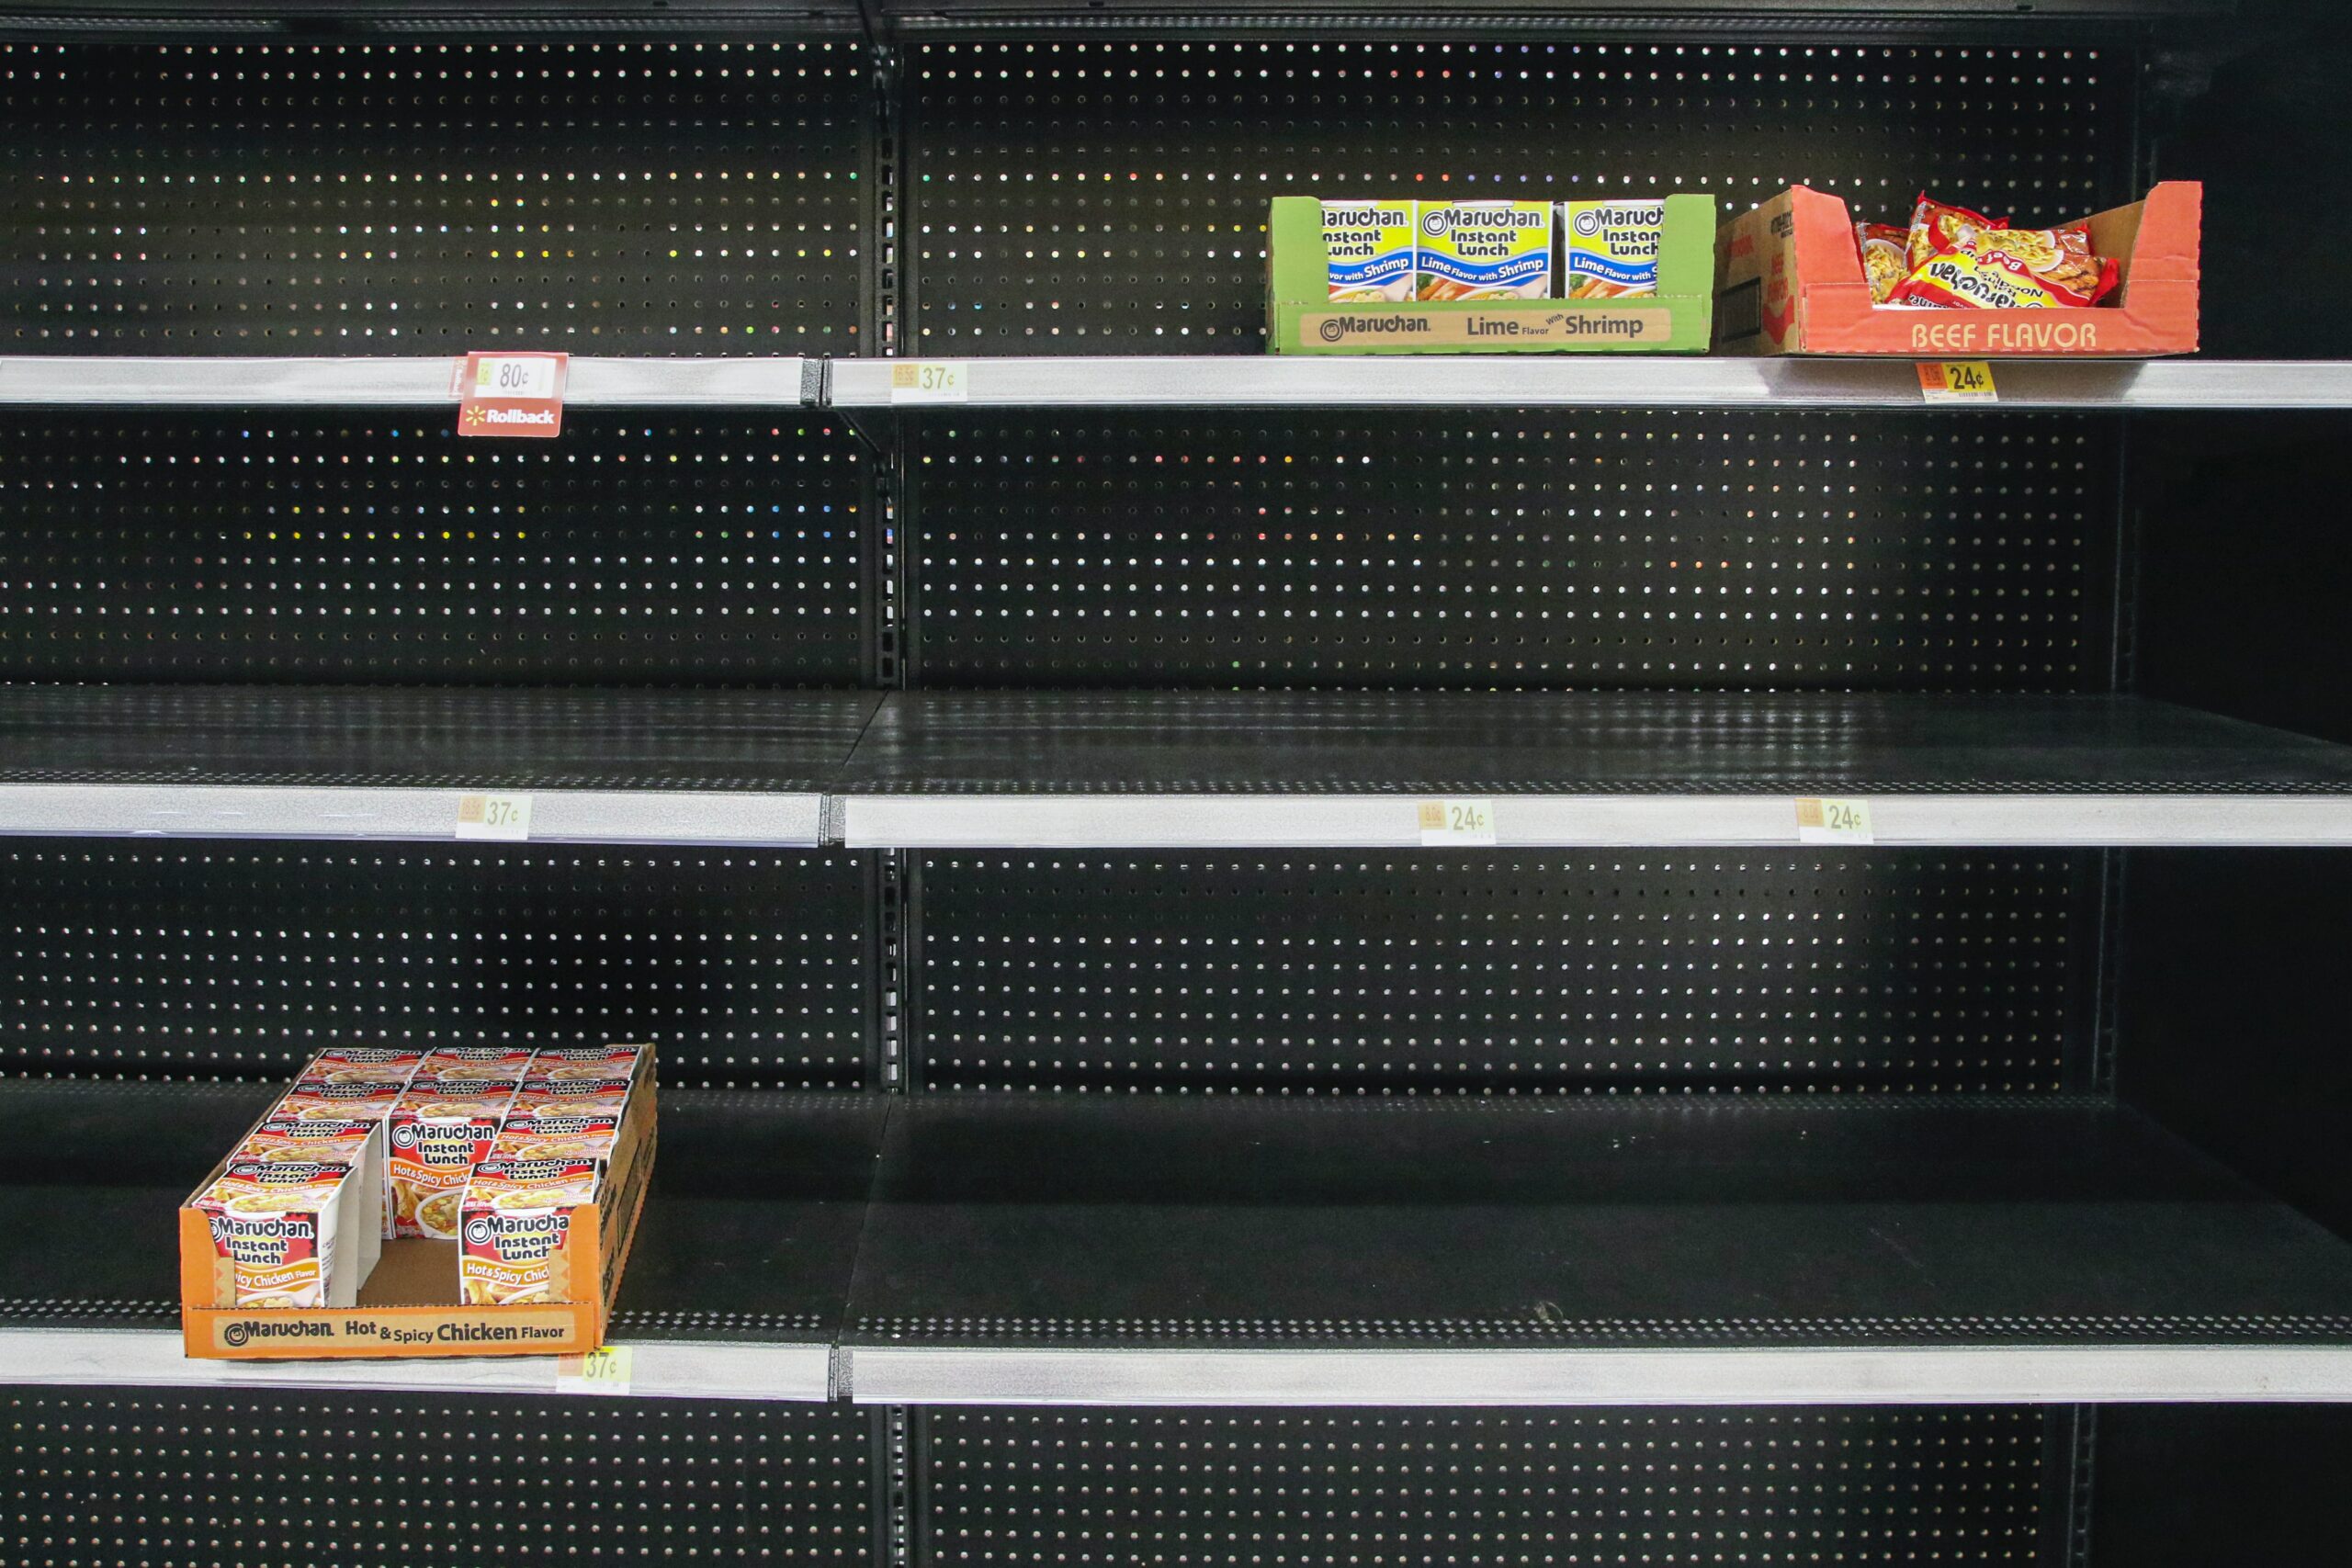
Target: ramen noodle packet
283 1231
364 1065
517 1218
588 1062
320 1100
490 1063
2009 269
1368 247
588 1137
355 1142
570 1097
1609 250
436 1137
1484 250
1936 224
1884 250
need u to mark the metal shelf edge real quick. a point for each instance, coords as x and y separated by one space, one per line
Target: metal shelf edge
1238 381
660 1370
398 382
1600 381
266 811
2032 1374
1245 820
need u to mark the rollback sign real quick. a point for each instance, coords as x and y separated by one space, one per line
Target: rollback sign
511 394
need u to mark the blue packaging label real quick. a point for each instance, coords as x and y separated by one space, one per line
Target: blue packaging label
1370 249
1609 249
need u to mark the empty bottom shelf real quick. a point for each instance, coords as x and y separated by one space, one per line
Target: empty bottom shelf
1480 1252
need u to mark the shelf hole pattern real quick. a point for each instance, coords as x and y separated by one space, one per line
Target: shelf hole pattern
1110 197
1225 1489
1539 550
277 545
1905 972
135 1479
657 197
747 969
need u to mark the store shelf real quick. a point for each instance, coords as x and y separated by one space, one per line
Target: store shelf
1598 381
732 1290
380 763
1210 770
1415 1252
591 382
1402 1251
1203 381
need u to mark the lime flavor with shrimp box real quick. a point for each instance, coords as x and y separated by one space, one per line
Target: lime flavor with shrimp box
1368 247
1497 267
1483 250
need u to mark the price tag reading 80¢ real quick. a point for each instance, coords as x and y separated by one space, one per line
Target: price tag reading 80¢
929 381
1828 820
1446 822
505 816
605 1370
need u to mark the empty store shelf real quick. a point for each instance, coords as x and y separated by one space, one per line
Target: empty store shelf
1211 770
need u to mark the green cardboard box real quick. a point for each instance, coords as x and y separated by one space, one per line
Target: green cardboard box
1302 318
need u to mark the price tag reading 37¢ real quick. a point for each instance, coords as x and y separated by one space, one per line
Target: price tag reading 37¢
1827 821
505 816
603 1371
929 381
1445 822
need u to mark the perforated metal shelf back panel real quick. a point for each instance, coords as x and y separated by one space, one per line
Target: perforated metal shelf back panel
376 545
1225 1489
1706 551
132 1478
1337 973
138 960
650 197
1109 195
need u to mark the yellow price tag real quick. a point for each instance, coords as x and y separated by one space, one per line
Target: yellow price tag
1444 822
929 381
1828 820
505 816
603 1371
1957 381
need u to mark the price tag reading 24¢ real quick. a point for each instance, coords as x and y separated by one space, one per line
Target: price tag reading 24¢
505 816
1451 822
1957 381
1828 820
929 381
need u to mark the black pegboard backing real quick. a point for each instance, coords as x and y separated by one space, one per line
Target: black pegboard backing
1110 197
1658 1489
144 960
1310 972
654 197
658 546
138 1478
1594 549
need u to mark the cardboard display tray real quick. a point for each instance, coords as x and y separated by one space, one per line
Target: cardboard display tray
1301 317
409 1304
1789 280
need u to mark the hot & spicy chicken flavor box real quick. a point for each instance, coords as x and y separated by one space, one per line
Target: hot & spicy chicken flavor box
471 1201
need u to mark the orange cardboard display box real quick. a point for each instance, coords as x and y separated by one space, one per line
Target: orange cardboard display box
1789 279
412 1303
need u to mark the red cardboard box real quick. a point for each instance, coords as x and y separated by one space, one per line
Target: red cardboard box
1789 280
